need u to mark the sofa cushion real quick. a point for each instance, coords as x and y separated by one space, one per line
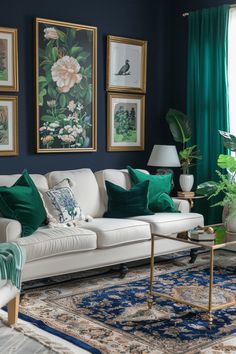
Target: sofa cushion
61 206
47 242
118 177
157 184
39 180
85 189
113 232
123 203
162 202
168 223
23 203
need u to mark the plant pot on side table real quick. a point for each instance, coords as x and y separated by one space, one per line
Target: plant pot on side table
186 182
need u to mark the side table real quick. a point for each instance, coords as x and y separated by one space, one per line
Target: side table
191 199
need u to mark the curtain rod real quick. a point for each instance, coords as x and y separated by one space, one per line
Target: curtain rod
185 14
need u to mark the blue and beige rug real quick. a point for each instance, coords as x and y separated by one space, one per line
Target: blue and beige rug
104 314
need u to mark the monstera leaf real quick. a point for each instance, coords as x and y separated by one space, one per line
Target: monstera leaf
207 188
229 140
180 126
228 162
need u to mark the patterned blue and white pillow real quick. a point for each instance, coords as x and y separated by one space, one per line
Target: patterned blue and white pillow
61 206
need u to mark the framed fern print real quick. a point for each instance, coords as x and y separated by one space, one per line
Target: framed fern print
125 122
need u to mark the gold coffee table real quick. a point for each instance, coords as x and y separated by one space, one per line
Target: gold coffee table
210 307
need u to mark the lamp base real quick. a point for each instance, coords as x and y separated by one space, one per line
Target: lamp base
166 171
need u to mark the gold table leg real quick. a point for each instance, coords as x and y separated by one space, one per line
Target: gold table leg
150 296
210 316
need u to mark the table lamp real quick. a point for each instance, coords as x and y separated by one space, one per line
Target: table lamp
164 156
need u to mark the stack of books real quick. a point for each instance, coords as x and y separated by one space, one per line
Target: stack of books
202 236
185 194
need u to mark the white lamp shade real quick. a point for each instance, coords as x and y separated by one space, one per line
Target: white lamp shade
164 156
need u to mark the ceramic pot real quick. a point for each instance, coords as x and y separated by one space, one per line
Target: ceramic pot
230 224
186 182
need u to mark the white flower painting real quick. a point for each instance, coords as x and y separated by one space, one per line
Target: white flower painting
66 87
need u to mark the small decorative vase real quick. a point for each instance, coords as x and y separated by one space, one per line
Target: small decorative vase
186 182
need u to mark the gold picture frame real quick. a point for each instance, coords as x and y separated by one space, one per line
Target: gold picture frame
126 64
125 122
9 59
66 106
9 126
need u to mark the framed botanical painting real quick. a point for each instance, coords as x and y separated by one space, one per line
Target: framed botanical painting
8 59
66 60
8 126
125 122
126 64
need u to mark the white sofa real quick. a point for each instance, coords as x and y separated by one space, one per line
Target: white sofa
101 242
9 295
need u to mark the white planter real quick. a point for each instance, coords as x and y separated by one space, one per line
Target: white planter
186 182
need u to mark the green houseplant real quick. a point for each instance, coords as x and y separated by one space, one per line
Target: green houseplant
226 185
180 127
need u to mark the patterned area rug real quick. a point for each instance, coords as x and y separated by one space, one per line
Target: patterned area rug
110 315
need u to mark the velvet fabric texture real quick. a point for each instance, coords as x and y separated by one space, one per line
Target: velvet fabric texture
124 203
158 191
207 93
162 203
22 202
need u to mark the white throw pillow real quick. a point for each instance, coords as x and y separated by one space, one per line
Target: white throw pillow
61 206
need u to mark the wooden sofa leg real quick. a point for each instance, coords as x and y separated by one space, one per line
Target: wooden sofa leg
193 255
123 270
13 308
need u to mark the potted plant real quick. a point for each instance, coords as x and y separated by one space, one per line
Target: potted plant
180 128
226 184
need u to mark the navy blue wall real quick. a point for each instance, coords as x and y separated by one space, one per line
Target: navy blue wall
147 19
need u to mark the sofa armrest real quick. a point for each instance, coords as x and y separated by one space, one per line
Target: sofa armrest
10 230
182 205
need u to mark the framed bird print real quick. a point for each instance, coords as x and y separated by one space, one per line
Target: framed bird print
125 122
126 64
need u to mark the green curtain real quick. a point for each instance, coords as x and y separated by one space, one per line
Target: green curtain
207 93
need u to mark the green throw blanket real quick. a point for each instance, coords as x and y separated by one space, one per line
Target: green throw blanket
12 260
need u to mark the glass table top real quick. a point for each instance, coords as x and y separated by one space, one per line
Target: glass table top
223 238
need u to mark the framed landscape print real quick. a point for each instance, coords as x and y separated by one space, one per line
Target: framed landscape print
8 126
125 122
66 59
8 59
126 64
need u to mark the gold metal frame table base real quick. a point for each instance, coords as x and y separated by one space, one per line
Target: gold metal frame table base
210 308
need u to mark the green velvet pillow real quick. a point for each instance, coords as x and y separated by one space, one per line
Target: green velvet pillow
157 183
124 203
162 202
22 202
